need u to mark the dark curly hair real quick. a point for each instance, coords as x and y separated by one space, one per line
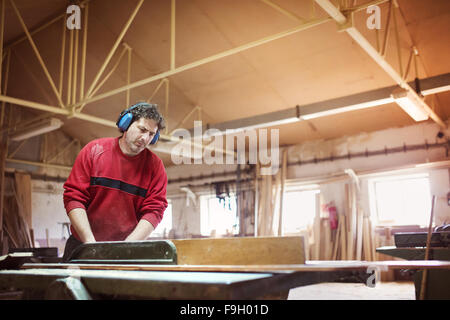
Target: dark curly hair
147 111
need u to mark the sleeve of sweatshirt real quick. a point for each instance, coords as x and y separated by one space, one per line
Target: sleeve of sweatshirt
155 202
76 193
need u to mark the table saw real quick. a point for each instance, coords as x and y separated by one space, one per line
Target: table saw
412 246
154 270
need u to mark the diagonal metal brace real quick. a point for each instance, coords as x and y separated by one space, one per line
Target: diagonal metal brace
69 288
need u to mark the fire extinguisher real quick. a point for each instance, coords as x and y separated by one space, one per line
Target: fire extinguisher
332 212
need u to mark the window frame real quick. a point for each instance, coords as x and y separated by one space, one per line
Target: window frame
373 201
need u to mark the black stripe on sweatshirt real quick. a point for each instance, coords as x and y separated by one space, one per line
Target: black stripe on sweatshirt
119 185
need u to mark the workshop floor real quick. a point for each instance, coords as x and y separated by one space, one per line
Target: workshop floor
355 291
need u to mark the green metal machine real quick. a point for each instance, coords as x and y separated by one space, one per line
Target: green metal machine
411 246
149 270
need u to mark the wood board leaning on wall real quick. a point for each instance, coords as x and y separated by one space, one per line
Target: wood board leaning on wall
17 222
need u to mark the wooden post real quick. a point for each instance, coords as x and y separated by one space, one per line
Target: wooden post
350 220
283 182
32 237
343 238
359 232
316 251
47 237
427 251
257 200
23 190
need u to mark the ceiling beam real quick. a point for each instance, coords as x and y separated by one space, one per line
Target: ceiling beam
195 64
362 100
346 24
42 26
113 49
83 116
38 56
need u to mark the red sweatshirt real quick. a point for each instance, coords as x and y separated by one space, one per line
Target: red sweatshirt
116 190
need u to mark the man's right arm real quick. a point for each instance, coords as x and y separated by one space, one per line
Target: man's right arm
77 196
79 220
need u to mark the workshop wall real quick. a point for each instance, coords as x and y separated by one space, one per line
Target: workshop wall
49 214
420 134
47 196
326 171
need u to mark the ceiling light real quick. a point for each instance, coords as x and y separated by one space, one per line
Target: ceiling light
341 109
37 128
411 104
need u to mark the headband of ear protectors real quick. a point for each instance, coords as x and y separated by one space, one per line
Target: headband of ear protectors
126 118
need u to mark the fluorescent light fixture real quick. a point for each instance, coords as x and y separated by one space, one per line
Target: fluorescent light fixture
232 131
354 107
37 128
411 104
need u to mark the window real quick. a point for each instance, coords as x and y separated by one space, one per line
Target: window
218 216
165 225
299 209
401 200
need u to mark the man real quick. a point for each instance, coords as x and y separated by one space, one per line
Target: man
116 190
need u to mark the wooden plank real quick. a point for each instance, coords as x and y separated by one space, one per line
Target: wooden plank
243 250
423 285
343 237
3 152
283 182
359 231
367 240
316 247
326 238
336 241
47 238
310 266
23 190
262 207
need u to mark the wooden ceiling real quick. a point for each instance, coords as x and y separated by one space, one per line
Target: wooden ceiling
308 66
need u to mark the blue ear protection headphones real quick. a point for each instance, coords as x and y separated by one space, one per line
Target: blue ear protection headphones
126 118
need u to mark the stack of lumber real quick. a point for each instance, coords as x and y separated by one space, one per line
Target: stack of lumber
15 228
17 232
270 190
346 235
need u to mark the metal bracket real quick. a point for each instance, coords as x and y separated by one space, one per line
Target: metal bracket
349 23
69 288
125 252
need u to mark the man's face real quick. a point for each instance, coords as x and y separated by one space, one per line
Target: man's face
138 136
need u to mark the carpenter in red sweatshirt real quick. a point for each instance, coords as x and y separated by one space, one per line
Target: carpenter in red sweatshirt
116 190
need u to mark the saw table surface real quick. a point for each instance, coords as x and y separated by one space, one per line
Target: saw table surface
196 281
179 281
188 270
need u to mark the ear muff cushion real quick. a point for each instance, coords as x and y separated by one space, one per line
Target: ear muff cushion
126 117
155 138
125 121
